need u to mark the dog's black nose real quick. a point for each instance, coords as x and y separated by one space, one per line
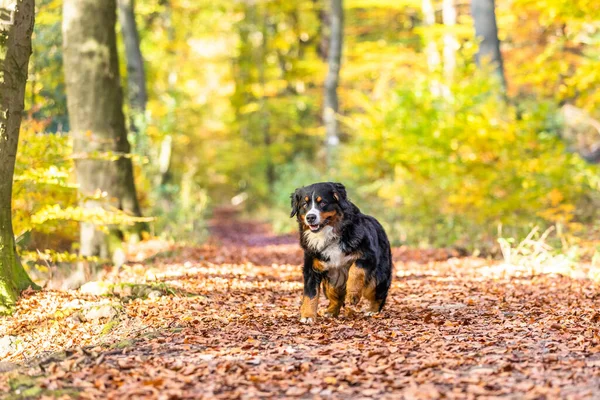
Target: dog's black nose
311 218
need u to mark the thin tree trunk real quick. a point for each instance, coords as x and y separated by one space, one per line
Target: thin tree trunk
323 30
166 146
95 104
450 45
136 75
16 27
264 107
486 31
334 58
431 50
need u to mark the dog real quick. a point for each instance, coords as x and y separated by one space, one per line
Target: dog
345 251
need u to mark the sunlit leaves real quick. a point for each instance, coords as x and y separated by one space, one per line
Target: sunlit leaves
43 176
387 4
551 49
49 176
53 257
448 170
97 216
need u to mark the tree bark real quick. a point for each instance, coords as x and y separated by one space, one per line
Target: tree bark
431 49
136 75
323 30
264 107
334 59
450 45
486 31
16 27
95 104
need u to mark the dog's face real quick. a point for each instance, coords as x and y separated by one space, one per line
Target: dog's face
318 205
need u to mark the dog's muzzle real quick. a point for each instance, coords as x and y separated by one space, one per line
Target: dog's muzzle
313 220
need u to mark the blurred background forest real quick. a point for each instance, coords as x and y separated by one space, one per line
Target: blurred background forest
228 109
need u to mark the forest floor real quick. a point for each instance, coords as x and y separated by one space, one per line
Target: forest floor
221 321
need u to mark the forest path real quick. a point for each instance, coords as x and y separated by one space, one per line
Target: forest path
221 321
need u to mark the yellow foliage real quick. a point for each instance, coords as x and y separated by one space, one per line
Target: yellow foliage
43 176
450 173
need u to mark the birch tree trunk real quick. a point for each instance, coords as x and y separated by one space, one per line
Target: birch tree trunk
95 104
431 50
264 107
323 29
16 27
136 75
334 59
486 31
450 45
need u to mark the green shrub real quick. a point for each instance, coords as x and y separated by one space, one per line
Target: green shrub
442 173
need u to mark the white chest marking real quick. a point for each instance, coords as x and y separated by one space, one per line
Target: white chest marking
327 242
322 239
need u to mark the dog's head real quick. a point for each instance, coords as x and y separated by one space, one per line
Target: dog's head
319 205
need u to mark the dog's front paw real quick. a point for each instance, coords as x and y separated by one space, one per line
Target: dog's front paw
307 320
331 314
371 313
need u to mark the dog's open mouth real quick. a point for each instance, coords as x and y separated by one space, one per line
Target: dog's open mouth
317 228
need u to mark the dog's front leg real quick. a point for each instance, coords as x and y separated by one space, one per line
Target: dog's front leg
312 288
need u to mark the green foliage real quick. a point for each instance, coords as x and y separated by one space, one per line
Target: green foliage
45 199
276 96
236 89
39 263
443 173
96 216
45 94
43 178
182 211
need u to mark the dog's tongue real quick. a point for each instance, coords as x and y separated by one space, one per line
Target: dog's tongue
313 227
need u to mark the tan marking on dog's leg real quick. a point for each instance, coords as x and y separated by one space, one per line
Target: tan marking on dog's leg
370 294
336 298
355 285
318 265
308 310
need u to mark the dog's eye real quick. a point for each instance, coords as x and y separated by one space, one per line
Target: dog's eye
323 204
305 205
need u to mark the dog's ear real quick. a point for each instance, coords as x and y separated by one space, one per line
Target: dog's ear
295 202
339 192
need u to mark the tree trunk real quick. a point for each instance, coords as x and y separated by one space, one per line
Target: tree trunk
334 58
16 27
486 31
95 104
450 45
323 30
431 50
136 76
264 107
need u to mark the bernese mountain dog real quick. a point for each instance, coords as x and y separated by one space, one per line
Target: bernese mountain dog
345 251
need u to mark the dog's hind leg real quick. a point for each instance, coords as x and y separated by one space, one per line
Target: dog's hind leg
376 294
370 293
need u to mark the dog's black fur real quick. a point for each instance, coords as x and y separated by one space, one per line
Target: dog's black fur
345 243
